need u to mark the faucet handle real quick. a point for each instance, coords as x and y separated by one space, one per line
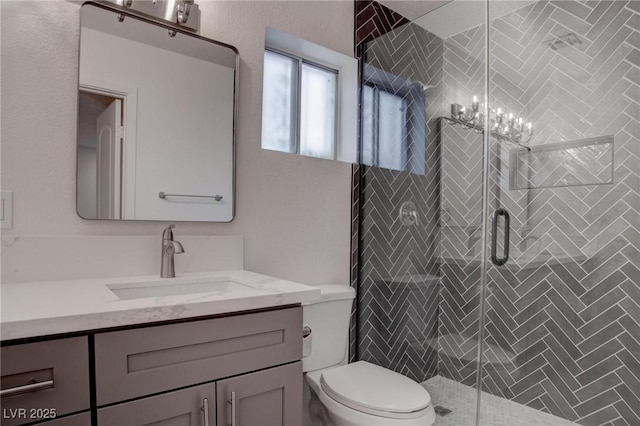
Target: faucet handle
167 234
177 247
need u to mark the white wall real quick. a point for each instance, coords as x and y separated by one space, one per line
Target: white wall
294 212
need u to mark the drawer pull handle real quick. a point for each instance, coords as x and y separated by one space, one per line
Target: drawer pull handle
31 387
232 401
205 409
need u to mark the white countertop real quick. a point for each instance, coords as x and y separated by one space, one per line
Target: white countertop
54 307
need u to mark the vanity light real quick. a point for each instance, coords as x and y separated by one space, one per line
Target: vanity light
175 12
170 10
183 11
504 126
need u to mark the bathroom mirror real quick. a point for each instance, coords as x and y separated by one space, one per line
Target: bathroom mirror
156 118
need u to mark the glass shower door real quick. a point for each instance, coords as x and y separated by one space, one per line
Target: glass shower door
561 326
421 200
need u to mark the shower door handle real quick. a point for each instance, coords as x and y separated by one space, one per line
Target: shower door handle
494 237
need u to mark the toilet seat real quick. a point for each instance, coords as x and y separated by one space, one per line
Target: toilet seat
371 389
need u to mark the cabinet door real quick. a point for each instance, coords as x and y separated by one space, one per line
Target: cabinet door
185 407
270 397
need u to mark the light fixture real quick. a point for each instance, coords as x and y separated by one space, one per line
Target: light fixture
502 126
183 11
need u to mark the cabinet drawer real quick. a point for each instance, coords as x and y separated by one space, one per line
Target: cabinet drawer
185 407
45 375
138 362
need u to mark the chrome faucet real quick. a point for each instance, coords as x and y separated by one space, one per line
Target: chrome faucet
169 248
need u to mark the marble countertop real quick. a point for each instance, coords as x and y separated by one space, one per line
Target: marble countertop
52 307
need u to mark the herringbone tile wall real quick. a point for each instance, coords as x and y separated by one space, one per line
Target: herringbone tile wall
374 20
399 274
563 317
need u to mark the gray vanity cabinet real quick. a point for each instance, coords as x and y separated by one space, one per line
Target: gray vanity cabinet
162 375
186 407
187 373
270 397
45 380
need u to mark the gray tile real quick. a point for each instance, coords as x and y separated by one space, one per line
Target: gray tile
609 348
573 8
599 417
530 394
608 381
594 404
603 20
632 401
604 270
628 415
599 9
603 287
603 319
559 390
594 373
587 90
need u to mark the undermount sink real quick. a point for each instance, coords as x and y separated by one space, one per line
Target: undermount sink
175 287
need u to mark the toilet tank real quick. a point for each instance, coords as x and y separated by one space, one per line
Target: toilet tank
328 318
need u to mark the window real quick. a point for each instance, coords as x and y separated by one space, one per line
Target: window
299 106
394 122
384 128
310 99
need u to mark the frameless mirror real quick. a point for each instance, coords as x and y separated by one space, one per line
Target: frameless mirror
155 121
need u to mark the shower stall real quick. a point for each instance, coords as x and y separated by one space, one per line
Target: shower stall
499 207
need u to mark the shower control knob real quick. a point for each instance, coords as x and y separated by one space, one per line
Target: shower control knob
408 214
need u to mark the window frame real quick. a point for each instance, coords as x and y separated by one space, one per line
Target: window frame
417 121
297 101
375 133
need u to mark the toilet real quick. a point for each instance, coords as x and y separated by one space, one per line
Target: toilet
357 394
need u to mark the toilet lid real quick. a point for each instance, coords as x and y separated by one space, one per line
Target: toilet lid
375 390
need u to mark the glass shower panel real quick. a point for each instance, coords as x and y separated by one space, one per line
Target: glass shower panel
561 336
461 25
420 274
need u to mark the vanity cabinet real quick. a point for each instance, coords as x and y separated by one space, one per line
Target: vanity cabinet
45 380
249 361
240 370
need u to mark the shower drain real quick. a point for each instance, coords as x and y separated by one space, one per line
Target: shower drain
441 411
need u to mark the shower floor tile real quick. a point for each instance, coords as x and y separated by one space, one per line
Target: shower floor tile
496 411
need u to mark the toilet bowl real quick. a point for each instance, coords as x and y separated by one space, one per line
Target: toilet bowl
360 393
366 394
